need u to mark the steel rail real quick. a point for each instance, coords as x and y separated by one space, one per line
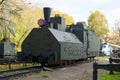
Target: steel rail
36 69
18 69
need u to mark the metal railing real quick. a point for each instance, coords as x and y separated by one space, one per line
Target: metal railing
111 67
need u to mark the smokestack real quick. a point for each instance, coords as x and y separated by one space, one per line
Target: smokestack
47 12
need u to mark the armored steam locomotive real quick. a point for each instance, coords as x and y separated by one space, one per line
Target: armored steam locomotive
54 44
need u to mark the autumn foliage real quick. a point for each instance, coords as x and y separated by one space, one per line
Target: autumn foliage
24 16
98 23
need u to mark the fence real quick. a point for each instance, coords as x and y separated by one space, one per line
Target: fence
111 67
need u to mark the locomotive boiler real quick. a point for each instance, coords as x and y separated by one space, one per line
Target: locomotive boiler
54 44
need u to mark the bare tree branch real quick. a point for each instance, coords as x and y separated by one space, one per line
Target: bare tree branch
2 2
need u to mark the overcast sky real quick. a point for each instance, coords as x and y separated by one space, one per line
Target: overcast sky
80 9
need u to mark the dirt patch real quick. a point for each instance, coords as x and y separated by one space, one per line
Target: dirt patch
81 71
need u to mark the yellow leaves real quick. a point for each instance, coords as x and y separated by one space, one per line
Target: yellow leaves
29 15
98 23
69 19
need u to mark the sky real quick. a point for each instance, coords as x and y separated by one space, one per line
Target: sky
80 10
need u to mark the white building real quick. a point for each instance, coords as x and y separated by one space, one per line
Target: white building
107 49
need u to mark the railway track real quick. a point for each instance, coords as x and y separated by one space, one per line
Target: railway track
18 72
22 71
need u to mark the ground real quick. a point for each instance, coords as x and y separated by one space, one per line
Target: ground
80 71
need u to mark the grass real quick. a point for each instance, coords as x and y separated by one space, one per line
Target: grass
106 76
45 76
13 66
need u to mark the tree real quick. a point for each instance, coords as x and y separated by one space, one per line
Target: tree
114 37
29 18
98 23
8 9
22 17
69 19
